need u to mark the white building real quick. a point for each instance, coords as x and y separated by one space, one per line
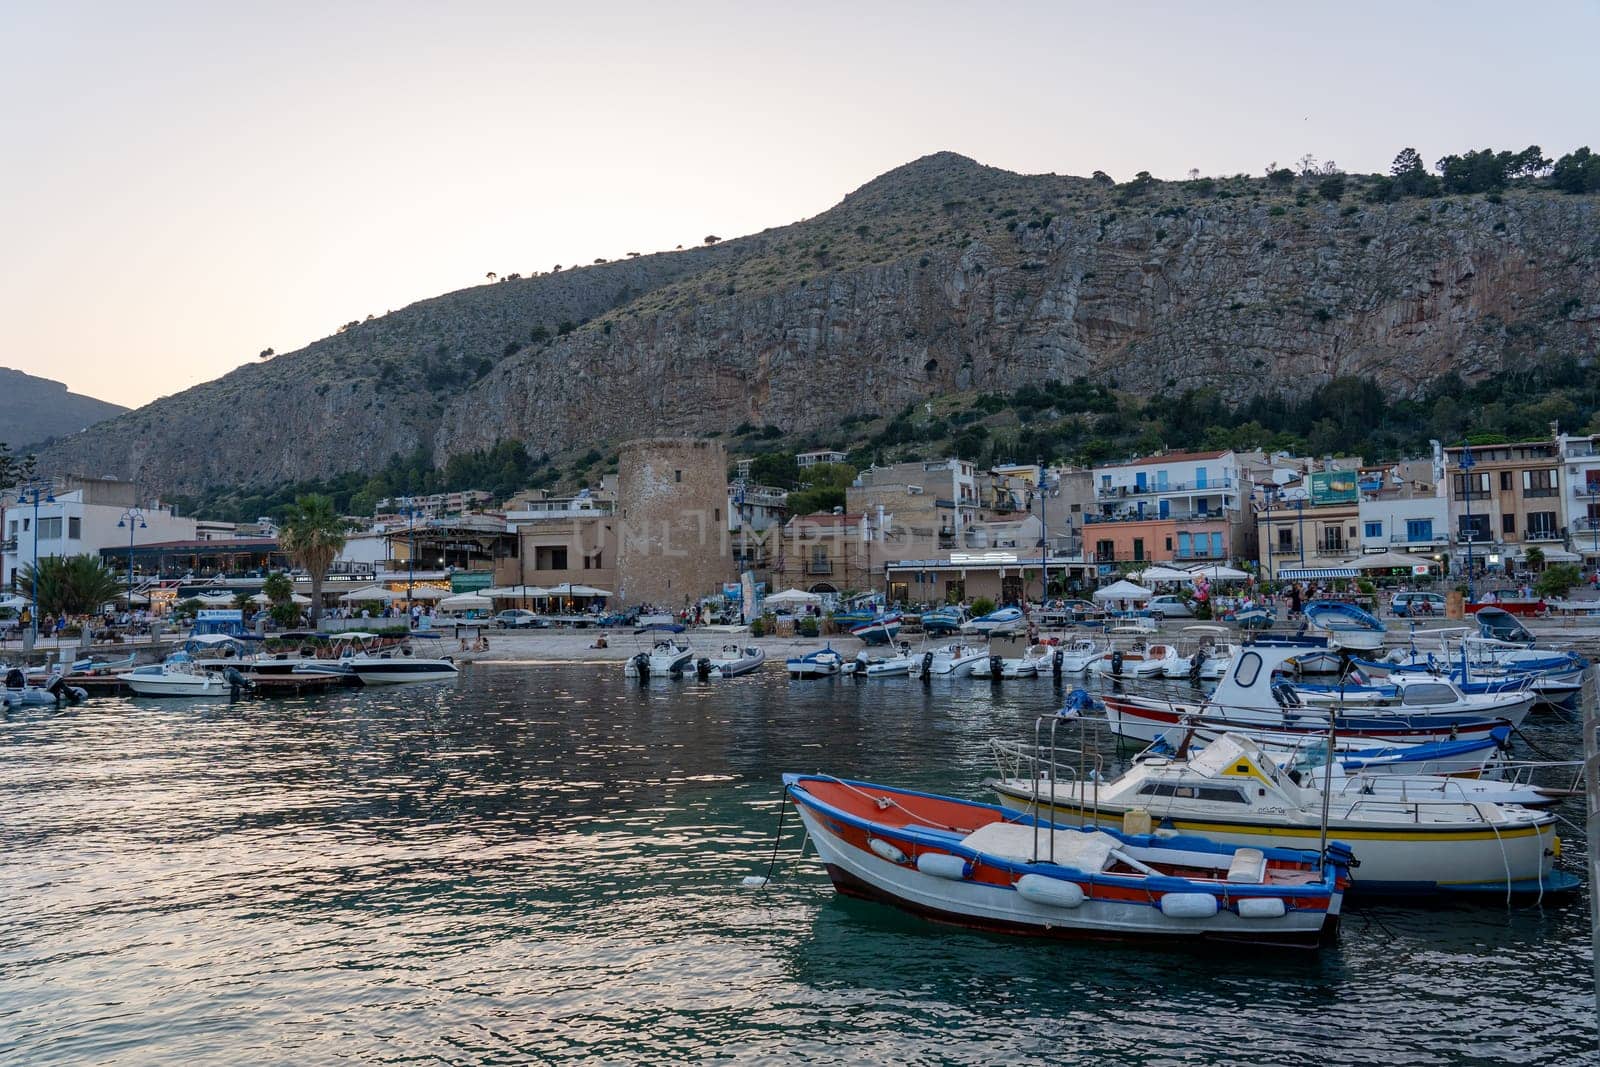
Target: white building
81 520
1580 456
1178 485
755 508
1419 524
822 455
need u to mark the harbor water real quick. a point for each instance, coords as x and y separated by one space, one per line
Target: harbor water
545 863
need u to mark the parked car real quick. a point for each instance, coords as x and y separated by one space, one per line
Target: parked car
517 619
1170 607
1411 605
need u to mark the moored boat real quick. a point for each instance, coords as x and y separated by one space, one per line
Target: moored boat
978 866
823 662
731 661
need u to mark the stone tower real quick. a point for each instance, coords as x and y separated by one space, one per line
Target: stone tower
672 523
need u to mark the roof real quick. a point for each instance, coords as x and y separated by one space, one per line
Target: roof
220 544
1172 457
827 518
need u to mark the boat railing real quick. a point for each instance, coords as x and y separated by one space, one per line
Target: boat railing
1044 768
1473 810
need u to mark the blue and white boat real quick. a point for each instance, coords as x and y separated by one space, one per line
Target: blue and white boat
879 630
1000 621
823 662
1345 625
944 621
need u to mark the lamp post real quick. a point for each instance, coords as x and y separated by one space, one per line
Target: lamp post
1266 497
1048 486
35 489
1468 532
133 519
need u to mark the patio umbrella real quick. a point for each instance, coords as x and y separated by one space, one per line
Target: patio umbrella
466 602
1163 574
1218 572
216 598
368 593
793 596
425 592
581 590
1123 590
294 598
1384 561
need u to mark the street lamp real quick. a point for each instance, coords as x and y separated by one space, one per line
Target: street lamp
133 519
1266 496
1048 485
33 489
1298 495
1469 531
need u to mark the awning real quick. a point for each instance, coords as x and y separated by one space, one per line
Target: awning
1122 590
1551 555
294 598
581 591
1300 573
1218 572
371 592
1161 574
466 602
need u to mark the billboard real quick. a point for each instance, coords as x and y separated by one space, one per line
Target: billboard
1334 487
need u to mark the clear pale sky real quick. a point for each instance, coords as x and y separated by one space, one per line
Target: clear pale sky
182 185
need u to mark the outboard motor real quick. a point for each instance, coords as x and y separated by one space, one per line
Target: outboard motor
1195 665
237 682
1056 659
996 668
641 663
15 679
64 693
1116 663
702 668
927 665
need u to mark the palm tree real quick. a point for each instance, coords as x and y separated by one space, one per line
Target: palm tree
72 585
314 534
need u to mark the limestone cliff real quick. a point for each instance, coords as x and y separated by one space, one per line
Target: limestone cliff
940 276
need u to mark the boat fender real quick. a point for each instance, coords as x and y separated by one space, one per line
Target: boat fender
886 850
702 667
1116 662
1051 892
1188 905
1261 908
944 865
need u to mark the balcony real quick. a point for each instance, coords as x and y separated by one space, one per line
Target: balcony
8 545
1475 537
1585 491
819 566
1403 539
1585 524
1540 491
1187 516
1543 534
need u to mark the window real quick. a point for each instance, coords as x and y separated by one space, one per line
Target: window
1542 524
1138 549
677 476
1474 527
716 514
1419 529
1169 542
1505 480
13 527
1333 539
1285 539
1373 530
1105 551
550 558
49 529
1199 477
1540 483
1477 482
1247 670
1216 544
1183 545
1508 524
75 528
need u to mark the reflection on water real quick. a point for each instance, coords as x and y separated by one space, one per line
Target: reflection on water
546 861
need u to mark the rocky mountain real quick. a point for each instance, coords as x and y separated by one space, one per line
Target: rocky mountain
941 276
33 409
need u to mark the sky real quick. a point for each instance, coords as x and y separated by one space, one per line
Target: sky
185 184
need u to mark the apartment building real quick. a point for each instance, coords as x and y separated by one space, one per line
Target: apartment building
1504 499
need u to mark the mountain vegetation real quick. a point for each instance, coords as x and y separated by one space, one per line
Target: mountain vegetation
947 306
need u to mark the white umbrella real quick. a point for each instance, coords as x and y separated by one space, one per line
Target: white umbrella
581 590
424 592
516 592
371 592
1123 590
1218 572
14 602
1163 574
216 598
793 596
466 602
294 598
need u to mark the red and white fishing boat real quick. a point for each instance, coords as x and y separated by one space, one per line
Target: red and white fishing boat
1251 698
979 866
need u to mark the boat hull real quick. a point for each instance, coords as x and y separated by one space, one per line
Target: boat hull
996 906
402 671
1146 721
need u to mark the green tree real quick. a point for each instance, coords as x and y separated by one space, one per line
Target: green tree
314 535
1535 558
1331 187
1555 581
278 588
71 585
981 606
1577 172
776 469
823 489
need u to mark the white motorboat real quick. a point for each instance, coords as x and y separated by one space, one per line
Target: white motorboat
731 661
377 664
1132 661
1423 695
179 676
865 666
1345 625
996 667
1405 842
956 658
1002 621
1169 661
667 658
823 662
1078 654
19 692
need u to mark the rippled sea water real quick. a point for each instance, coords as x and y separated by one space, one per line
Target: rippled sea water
544 862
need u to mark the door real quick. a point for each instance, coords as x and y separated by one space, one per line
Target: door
1163 508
